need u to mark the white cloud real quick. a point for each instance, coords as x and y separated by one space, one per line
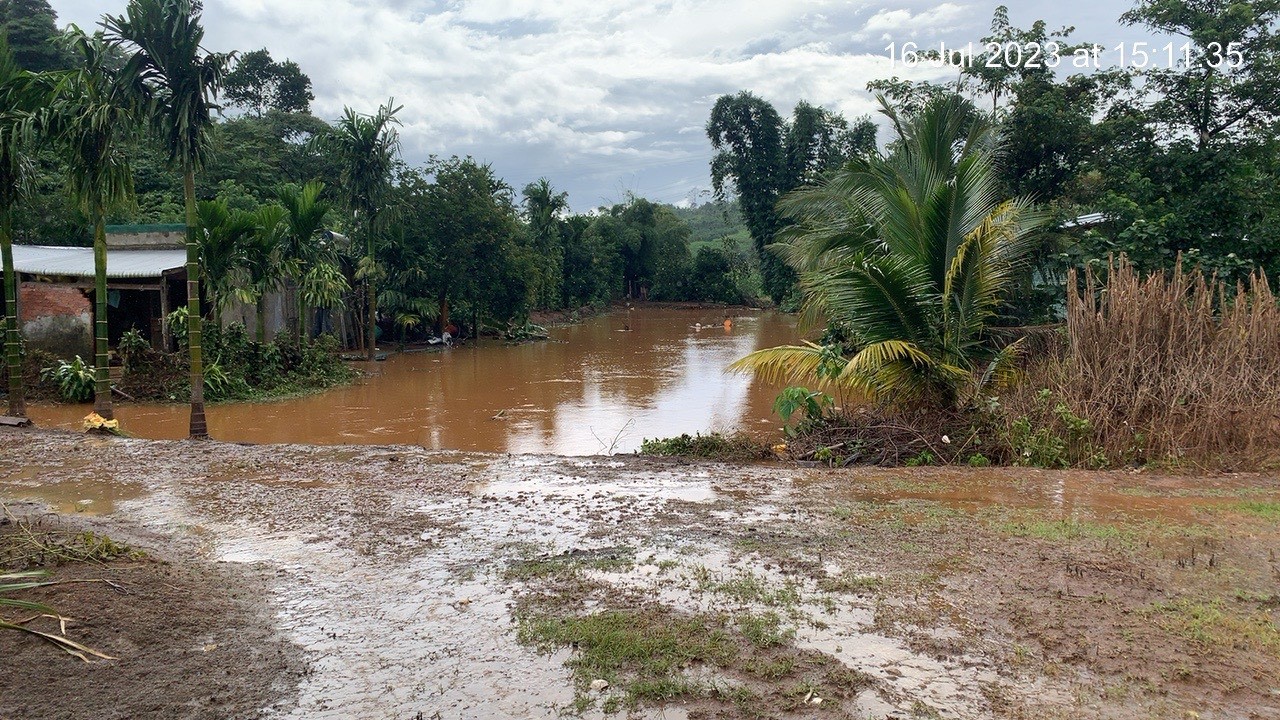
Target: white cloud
597 95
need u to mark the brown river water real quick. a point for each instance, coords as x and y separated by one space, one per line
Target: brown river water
592 389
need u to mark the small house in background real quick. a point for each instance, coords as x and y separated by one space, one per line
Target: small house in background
146 279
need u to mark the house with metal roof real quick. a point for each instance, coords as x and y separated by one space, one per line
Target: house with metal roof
146 276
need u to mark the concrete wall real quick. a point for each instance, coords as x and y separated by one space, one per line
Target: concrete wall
56 318
149 240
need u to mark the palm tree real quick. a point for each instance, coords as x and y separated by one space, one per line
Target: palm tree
92 114
543 206
302 249
912 251
222 235
262 261
20 95
179 81
365 147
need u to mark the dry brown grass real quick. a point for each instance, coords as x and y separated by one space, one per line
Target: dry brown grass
1170 367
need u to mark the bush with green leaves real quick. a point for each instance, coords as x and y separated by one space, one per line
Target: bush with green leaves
713 446
75 379
813 404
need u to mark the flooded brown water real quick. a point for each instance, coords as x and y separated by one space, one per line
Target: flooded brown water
592 389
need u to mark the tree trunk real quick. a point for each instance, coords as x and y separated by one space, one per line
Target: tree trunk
444 314
199 428
371 331
261 308
102 359
303 334
12 341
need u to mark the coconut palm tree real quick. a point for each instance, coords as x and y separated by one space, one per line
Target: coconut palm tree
93 113
263 262
179 82
222 235
20 95
365 147
302 248
912 250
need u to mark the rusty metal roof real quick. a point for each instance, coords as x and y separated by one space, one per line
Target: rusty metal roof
78 261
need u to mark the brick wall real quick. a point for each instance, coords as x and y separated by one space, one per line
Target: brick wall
56 318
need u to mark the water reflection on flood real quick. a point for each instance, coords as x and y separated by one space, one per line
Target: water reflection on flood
593 389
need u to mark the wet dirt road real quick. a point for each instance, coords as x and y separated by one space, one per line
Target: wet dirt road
403 575
593 388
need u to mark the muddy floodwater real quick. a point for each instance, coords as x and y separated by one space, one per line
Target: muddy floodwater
592 389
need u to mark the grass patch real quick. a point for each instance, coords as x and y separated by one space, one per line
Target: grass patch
765 631
712 446
1258 508
1065 530
747 587
1211 626
851 583
643 654
570 565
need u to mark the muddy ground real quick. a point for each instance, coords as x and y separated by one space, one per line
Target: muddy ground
393 582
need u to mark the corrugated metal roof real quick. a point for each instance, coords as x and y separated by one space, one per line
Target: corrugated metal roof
78 261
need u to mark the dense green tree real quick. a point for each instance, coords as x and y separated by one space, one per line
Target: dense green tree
1232 86
20 97
472 235
761 157
911 251
179 81
31 27
258 83
592 264
366 148
92 116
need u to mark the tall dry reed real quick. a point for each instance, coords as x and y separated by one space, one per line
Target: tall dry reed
1172 367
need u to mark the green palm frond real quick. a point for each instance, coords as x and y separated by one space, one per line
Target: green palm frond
911 250
787 364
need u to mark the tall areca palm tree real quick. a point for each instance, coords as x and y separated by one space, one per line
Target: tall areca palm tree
222 236
912 251
543 206
179 81
302 249
365 147
91 116
20 95
262 261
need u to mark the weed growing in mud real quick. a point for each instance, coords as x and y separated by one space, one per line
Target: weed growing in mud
765 631
713 446
746 587
641 653
851 583
1210 625
569 565
1264 510
1064 530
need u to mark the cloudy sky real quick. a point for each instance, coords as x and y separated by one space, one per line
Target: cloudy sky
603 97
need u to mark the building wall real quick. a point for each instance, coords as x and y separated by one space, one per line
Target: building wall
57 318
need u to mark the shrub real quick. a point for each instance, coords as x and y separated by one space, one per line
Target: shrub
714 446
75 379
1175 367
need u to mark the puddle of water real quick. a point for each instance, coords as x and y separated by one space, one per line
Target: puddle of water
591 390
69 488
